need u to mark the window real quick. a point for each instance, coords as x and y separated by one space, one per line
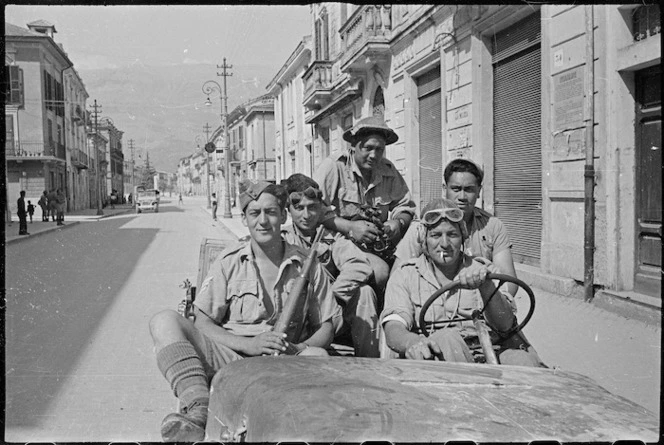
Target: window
14 88
646 22
322 39
379 103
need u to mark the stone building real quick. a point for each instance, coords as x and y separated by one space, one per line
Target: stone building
293 148
509 87
37 118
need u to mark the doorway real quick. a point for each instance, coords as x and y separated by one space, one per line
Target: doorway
648 146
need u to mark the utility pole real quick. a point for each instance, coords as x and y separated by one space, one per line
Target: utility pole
227 164
131 148
206 129
96 110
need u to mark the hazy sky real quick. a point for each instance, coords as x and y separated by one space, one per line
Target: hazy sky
114 36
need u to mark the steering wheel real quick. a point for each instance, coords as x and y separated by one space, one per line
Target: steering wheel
501 280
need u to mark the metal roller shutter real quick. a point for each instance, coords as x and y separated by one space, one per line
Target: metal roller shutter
431 143
517 136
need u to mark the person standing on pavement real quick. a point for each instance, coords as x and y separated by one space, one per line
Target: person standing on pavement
31 210
487 238
361 180
114 198
214 206
180 200
60 206
348 267
22 214
236 310
52 203
43 203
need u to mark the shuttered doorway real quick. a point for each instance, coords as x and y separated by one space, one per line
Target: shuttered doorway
517 136
430 133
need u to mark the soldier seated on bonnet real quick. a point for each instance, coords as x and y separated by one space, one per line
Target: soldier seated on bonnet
359 179
348 267
236 309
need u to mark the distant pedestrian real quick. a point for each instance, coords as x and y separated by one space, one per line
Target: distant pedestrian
214 207
31 210
43 203
130 198
22 215
60 206
114 198
52 203
180 200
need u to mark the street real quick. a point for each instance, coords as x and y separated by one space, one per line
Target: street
79 360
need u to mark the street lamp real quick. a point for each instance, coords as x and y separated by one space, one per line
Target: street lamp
209 87
199 141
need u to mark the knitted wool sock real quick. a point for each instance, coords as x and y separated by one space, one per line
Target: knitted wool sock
182 367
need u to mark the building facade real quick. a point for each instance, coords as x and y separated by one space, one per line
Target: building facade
35 112
293 137
260 142
96 147
510 87
78 196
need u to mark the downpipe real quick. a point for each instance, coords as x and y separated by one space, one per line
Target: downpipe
589 167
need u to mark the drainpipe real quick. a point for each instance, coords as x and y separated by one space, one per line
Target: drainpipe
589 168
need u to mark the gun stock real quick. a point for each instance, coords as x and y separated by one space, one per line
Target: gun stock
298 294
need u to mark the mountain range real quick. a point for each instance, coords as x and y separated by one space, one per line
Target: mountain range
162 108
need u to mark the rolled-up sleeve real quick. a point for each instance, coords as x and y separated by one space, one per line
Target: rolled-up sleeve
327 177
402 201
397 298
211 298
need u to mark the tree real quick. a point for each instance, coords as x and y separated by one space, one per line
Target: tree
147 178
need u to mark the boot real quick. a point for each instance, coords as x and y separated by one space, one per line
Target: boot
188 425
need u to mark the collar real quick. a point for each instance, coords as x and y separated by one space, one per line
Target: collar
291 254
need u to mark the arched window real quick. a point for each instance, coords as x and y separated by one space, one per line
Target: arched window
378 103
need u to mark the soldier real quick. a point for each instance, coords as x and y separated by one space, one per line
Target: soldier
487 236
361 179
349 270
442 261
238 304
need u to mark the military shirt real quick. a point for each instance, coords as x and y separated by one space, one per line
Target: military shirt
343 186
411 285
487 237
346 264
232 294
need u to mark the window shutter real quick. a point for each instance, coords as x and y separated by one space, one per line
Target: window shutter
517 138
431 154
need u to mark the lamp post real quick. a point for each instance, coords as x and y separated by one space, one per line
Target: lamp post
209 87
108 123
199 140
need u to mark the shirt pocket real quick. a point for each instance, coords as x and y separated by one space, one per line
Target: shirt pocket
245 305
349 202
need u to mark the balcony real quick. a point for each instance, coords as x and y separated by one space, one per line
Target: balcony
77 114
317 84
27 150
79 159
366 35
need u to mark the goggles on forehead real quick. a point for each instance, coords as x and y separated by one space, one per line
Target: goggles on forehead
309 192
433 217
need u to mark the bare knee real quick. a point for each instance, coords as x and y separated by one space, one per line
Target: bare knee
313 351
166 327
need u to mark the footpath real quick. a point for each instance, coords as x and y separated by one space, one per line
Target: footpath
38 227
621 354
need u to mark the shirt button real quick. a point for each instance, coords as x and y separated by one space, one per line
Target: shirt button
260 303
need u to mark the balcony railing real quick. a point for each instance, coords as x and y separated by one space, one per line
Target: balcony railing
368 30
317 80
79 159
27 149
